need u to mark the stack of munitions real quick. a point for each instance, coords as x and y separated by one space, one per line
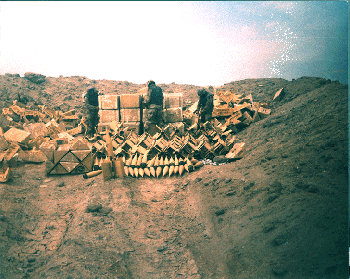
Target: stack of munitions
108 110
131 111
125 108
167 152
73 157
128 109
172 108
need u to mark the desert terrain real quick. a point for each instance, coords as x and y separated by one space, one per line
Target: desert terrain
279 212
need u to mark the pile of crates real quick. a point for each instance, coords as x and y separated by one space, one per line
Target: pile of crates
128 109
125 108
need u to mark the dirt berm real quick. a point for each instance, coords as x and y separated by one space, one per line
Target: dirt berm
279 212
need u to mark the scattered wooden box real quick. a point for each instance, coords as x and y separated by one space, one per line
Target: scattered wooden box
17 135
237 151
222 111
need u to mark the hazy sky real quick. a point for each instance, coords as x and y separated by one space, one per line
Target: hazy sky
199 43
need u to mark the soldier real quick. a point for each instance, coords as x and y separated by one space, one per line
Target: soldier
153 100
91 111
205 105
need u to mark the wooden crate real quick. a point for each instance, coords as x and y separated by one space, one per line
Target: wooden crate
172 115
129 101
108 116
130 115
173 100
108 102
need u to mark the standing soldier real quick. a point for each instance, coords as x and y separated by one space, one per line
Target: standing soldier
91 111
205 105
153 100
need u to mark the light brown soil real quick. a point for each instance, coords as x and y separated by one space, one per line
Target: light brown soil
279 212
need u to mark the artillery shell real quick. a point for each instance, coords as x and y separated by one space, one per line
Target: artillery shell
136 172
194 161
151 162
181 169
152 171
188 164
147 171
139 160
141 172
165 170
134 160
91 174
144 158
156 162
131 171
128 162
126 170
124 160
161 162
176 169
186 167
171 169
158 171
176 161
199 164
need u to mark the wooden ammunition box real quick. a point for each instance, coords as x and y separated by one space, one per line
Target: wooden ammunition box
108 102
172 115
107 116
173 100
129 101
237 151
130 115
222 111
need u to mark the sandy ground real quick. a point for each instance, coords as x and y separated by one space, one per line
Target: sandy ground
279 212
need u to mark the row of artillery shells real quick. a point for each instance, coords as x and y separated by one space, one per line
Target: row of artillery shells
158 166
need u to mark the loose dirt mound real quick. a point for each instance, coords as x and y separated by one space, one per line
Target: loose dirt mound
279 212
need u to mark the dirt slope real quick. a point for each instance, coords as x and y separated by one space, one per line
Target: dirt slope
280 212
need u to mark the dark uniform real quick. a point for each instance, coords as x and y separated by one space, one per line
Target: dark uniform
91 111
153 100
205 105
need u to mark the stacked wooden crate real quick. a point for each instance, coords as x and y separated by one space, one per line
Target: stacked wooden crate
131 114
70 158
125 108
108 110
172 108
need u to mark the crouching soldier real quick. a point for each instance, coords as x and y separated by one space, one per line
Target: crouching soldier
205 105
153 101
91 111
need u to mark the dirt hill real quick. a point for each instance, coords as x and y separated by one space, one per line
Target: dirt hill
279 212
